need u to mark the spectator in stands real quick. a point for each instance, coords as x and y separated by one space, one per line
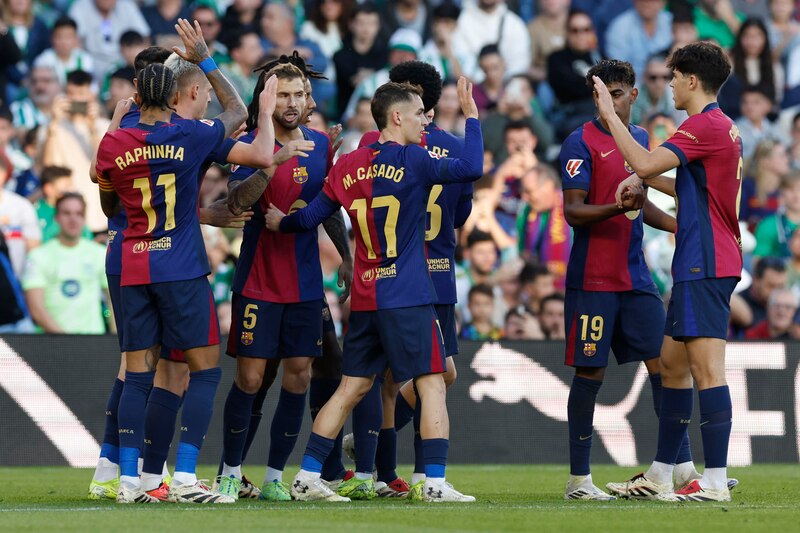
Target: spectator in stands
101 23
536 283
209 22
638 33
548 34
784 30
793 263
769 274
781 308
448 111
241 15
65 280
774 231
754 126
683 29
410 14
362 53
762 181
660 127
8 144
120 87
520 143
66 54
360 123
521 324
327 25
481 308
551 317
56 182
794 150
718 21
73 137
37 108
439 50
29 31
602 12
246 53
480 259
488 92
9 56
13 311
491 22
163 15
18 221
655 93
566 74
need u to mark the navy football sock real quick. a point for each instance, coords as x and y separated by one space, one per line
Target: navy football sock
435 452
286 424
130 419
685 451
403 413
715 425
386 456
110 447
673 424
319 392
256 415
367 421
580 417
235 425
159 427
196 416
317 451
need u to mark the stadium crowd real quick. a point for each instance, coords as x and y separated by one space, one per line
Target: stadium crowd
64 64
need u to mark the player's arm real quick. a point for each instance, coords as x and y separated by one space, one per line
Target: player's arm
579 213
35 300
217 214
258 154
645 163
234 111
321 208
656 218
337 231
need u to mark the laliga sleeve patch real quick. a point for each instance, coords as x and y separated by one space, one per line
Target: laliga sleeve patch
207 122
573 167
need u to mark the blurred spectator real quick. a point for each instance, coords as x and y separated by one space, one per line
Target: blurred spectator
548 34
522 325
8 144
448 111
410 14
752 8
507 291
566 74
774 231
29 31
359 124
660 127
37 108
26 183
754 126
753 66
781 308
56 182
488 92
13 311
551 317
602 12
246 53
543 233
717 20
362 53
65 278
638 33
209 22
9 55
762 181
214 186
66 55
536 283
163 15
683 29
72 140
794 155
481 308
450 60
327 25
18 221
769 275
241 15
130 44
491 22
120 87
404 45
793 264
655 93
520 143
101 23
784 31
480 259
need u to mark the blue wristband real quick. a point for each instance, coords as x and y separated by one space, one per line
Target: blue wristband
208 65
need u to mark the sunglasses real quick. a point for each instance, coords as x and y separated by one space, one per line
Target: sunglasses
655 77
585 29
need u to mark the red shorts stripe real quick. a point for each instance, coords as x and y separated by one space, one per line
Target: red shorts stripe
436 348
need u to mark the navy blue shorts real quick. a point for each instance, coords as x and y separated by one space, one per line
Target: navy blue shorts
327 321
179 314
447 319
700 308
274 330
116 307
408 340
629 323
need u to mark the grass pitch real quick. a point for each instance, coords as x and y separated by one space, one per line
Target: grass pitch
510 498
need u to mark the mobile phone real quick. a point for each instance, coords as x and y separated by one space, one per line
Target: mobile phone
78 108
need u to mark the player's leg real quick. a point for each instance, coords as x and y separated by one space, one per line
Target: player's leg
389 484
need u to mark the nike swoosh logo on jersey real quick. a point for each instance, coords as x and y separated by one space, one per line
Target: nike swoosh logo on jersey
606 154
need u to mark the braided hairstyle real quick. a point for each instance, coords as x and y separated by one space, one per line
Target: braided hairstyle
156 86
294 59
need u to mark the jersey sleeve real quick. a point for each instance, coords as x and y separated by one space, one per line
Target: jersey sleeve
464 206
220 153
692 141
320 209
575 162
131 118
205 136
369 138
103 165
442 170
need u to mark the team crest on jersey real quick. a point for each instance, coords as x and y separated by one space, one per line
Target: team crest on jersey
247 338
207 122
628 168
589 349
300 175
573 167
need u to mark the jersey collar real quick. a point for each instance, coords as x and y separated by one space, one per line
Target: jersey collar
599 126
711 107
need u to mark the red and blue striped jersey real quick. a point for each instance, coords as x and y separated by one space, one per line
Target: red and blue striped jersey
118 223
154 170
606 256
708 185
448 209
385 189
276 267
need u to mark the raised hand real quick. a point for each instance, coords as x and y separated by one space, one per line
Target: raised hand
193 41
605 104
468 106
273 217
268 97
296 148
334 133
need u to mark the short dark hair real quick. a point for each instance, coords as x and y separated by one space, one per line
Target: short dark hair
520 124
388 95
65 22
704 59
577 12
53 173
79 77
489 49
156 85
423 75
530 271
756 89
131 38
480 288
778 264
70 196
555 297
149 56
612 71
124 73
235 41
367 8
476 236
446 10
5 114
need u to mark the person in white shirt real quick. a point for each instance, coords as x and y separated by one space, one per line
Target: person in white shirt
66 54
18 221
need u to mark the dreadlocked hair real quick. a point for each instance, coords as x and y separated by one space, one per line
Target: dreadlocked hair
286 70
156 85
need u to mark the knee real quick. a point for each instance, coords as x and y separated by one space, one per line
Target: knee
249 380
296 378
672 370
451 374
593 373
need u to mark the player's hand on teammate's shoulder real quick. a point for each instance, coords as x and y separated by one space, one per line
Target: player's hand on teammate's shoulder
468 106
273 217
335 135
345 278
631 181
605 104
268 97
193 41
295 148
218 214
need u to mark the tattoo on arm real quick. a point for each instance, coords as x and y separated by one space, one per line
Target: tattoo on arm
247 192
234 111
337 231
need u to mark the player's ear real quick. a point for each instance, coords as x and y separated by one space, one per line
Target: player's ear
137 99
195 93
396 118
634 94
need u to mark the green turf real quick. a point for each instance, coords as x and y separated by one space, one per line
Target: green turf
510 498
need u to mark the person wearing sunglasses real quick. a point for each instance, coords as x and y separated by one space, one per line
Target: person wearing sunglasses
655 94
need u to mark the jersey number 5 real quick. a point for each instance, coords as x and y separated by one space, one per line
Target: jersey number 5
168 182
389 228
